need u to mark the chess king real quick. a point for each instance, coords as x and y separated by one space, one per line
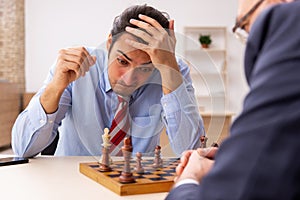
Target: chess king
80 95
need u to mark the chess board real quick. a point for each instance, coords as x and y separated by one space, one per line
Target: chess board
151 181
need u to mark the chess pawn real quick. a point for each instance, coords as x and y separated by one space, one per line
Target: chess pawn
214 144
203 141
126 175
139 168
157 159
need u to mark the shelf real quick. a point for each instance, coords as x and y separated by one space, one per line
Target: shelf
206 73
208 68
218 36
203 50
211 95
216 114
195 29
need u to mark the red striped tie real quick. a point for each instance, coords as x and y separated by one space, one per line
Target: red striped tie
120 126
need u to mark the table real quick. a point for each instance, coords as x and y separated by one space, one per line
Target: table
49 177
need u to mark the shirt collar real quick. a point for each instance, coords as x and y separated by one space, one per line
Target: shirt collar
107 86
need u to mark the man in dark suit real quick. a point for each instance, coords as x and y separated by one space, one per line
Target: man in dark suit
260 160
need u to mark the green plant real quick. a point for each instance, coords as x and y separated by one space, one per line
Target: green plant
205 39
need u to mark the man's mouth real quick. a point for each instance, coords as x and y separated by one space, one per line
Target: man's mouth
126 86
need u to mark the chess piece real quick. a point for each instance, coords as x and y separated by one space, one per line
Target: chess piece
105 160
157 159
126 175
203 141
106 138
214 144
139 168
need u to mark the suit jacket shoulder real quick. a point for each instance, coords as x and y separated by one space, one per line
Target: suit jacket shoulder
274 29
260 158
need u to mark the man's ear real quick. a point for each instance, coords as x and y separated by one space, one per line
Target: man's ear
109 41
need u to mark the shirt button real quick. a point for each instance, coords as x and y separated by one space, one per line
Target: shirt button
50 121
165 104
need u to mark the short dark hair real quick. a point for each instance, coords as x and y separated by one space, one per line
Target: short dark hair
122 21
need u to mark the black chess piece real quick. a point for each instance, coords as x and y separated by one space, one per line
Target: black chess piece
157 159
139 168
126 175
203 141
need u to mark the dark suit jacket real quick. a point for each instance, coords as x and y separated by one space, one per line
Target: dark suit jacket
261 158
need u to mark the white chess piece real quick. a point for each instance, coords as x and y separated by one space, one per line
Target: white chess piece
106 144
106 138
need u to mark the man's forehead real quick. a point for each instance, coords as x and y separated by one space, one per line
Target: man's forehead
121 42
121 47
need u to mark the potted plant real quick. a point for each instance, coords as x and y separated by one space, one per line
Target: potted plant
205 40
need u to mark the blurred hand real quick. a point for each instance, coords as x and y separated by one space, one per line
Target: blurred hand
72 63
194 164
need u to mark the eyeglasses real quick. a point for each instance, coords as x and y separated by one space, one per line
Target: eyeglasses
240 24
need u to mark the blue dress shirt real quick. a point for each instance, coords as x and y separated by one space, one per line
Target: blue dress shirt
88 105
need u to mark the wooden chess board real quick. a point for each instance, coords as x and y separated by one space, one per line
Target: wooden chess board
151 181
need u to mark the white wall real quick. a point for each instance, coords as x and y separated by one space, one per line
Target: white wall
55 24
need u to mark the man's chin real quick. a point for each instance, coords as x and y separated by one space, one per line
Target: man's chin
123 92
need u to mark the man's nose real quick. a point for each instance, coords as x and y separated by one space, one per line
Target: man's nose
130 77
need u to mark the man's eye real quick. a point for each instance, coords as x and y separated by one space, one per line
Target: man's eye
121 61
145 69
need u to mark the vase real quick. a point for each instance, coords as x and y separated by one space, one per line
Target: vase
205 46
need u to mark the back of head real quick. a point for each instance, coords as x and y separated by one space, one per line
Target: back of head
246 5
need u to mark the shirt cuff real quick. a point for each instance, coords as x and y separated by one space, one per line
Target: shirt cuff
38 116
172 102
186 181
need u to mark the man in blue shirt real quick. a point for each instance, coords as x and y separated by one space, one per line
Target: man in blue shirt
79 97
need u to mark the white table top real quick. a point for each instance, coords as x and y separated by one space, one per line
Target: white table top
55 178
